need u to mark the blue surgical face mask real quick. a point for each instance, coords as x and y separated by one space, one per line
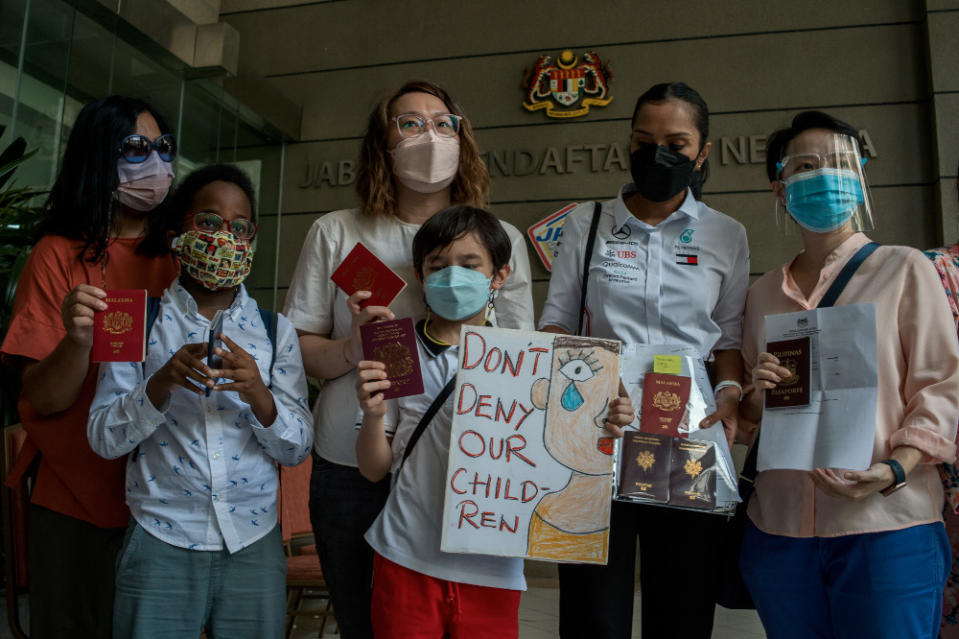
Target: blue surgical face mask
823 200
456 293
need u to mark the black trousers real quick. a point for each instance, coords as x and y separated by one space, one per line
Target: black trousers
679 567
72 565
343 505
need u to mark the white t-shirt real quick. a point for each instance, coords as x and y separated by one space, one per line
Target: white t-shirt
316 305
683 281
408 530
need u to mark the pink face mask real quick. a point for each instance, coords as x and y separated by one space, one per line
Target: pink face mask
427 163
143 186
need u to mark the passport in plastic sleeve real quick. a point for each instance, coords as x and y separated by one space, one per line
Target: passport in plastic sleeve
119 332
645 466
692 477
664 403
394 343
363 271
793 354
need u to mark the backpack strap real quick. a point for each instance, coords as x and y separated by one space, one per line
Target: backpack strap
269 320
587 257
749 471
425 420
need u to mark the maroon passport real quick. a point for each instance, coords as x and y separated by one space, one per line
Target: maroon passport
394 343
363 271
119 332
793 354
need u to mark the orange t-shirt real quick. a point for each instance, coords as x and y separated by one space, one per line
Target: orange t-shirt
71 478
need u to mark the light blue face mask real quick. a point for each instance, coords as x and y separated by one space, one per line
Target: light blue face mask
456 293
823 200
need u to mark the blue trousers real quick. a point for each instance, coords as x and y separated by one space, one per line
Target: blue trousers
167 591
885 585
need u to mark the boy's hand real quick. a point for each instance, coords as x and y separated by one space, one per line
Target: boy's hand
354 347
184 369
620 413
370 382
239 366
77 311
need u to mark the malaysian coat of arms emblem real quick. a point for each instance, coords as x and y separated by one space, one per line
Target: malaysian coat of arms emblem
567 88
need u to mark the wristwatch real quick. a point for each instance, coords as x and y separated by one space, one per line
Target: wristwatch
900 479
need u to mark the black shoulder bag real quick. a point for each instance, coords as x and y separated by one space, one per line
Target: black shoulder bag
732 592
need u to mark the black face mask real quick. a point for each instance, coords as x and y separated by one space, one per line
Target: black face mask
660 173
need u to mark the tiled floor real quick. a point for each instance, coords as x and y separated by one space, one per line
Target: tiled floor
538 620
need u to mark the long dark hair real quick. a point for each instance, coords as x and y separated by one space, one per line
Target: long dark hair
80 204
660 93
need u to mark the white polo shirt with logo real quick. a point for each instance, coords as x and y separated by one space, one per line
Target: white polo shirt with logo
683 281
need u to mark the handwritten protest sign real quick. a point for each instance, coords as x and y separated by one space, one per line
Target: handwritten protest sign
530 465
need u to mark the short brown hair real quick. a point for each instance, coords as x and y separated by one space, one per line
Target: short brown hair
374 183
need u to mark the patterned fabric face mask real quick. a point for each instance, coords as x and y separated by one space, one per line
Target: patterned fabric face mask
216 260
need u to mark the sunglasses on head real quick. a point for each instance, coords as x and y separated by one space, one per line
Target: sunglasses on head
136 148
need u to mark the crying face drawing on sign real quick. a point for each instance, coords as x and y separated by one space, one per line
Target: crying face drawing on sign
572 523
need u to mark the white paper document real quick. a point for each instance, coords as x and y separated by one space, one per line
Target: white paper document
837 428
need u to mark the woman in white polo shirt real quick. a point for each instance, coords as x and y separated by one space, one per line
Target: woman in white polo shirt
418 157
664 269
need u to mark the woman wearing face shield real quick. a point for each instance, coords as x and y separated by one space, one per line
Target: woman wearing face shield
418 156
833 552
103 228
946 261
664 268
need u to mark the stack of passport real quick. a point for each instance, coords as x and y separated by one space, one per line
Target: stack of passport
668 470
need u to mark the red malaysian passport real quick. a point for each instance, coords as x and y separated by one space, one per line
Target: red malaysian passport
119 332
793 354
664 403
363 271
394 343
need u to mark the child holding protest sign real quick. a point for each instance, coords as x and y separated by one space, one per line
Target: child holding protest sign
461 256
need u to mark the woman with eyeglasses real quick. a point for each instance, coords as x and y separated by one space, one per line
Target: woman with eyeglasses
103 229
837 552
418 156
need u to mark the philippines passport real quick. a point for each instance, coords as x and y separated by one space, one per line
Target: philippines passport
394 343
664 403
363 271
793 354
645 466
119 332
692 476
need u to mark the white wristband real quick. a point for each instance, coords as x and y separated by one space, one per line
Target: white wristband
728 383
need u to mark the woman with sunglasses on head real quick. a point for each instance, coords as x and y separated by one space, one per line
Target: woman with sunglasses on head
418 157
102 229
664 268
834 552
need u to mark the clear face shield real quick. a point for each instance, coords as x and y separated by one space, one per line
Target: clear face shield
822 186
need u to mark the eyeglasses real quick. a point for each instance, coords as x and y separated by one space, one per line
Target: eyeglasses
136 148
802 162
410 125
211 223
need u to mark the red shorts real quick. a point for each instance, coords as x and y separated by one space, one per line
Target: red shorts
410 605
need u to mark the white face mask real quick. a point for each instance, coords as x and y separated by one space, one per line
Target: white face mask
427 163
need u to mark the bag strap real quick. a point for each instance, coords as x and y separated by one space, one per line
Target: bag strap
587 257
269 323
749 471
425 420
